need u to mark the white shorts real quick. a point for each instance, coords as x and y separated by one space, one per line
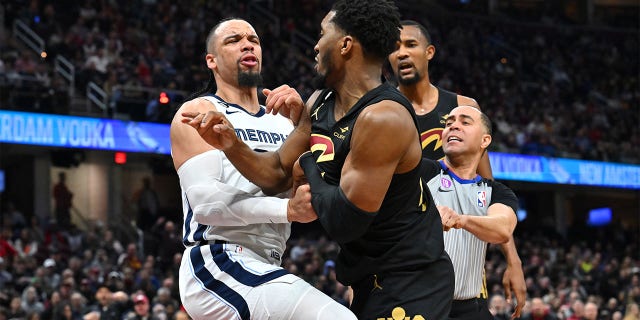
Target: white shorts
218 281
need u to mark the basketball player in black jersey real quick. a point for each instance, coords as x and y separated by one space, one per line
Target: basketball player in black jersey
410 65
363 169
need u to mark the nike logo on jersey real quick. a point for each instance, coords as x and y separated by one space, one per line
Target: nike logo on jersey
230 112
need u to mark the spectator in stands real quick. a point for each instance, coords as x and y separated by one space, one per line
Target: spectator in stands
539 311
498 307
14 217
148 205
130 258
590 311
62 197
25 245
632 312
141 308
15 309
110 305
25 64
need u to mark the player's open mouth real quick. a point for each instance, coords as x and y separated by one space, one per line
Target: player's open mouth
405 67
249 60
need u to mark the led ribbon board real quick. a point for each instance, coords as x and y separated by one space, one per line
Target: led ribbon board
83 132
508 166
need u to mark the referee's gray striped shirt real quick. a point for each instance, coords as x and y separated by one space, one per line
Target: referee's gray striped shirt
470 197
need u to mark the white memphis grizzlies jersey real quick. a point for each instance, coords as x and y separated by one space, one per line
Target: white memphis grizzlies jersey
261 132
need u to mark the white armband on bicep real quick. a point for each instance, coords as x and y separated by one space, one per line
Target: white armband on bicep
216 203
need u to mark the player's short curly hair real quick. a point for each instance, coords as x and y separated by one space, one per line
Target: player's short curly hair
375 23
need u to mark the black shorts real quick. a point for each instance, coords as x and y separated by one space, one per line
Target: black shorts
425 292
471 309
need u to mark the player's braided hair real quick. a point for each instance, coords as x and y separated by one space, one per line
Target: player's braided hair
375 23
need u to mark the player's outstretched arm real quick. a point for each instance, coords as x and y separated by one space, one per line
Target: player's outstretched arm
271 171
513 278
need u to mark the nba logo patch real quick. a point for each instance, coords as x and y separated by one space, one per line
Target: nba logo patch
445 183
482 199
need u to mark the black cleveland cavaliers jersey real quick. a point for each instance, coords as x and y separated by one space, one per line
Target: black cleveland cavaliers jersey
406 232
432 124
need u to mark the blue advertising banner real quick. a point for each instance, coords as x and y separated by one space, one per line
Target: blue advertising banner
83 132
564 171
117 135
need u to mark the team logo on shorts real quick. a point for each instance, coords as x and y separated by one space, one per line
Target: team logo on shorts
398 313
482 199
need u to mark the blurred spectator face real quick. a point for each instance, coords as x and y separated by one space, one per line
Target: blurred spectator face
92 316
497 305
411 59
131 250
574 296
31 294
141 304
538 307
65 290
103 295
177 258
168 283
55 298
181 315
591 311
578 308
633 309
159 312
67 312
15 303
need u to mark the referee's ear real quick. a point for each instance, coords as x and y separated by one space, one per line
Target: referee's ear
486 141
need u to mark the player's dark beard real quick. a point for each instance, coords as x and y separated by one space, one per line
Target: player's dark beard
409 81
319 81
249 79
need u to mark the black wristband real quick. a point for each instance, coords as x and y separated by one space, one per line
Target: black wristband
343 220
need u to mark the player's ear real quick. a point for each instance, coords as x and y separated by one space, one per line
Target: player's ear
431 51
211 60
346 44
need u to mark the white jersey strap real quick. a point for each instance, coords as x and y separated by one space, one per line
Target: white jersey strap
218 204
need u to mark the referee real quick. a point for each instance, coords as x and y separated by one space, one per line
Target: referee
474 211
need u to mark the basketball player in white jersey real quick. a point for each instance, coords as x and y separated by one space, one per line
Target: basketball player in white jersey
234 235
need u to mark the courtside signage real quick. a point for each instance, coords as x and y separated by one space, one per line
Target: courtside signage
564 171
83 132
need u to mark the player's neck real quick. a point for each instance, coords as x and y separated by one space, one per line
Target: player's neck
423 96
354 87
246 97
